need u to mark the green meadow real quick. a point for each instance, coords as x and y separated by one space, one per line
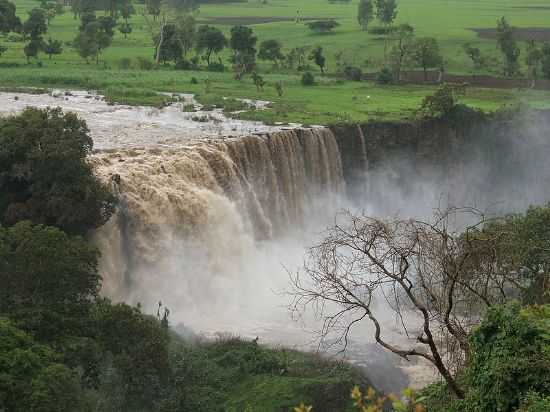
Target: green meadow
331 99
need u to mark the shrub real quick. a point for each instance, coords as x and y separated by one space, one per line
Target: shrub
145 64
194 80
510 358
323 26
384 76
216 67
308 79
184 65
125 63
353 73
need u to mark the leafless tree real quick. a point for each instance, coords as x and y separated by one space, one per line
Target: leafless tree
431 271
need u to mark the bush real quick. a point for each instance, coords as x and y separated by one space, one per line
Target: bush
510 358
194 80
323 26
216 67
308 79
381 30
184 65
145 64
384 76
125 63
353 73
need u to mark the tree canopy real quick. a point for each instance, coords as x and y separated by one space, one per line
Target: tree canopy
44 174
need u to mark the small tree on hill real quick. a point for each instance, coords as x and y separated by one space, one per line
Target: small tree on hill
365 13
186 26
474 53
153 7
95 35
243 43
32 48
171 44
52 47
545 60
386 11
318 58
271 50
443 101
427 54
8 19
209 40
508 47
125 29
36 25
402 51
533 60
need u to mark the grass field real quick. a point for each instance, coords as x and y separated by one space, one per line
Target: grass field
331 100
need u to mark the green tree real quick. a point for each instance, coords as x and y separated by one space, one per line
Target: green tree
271 50
186 26
47 279
426 54
210 40
318 58
44 175
386 11
8 19
125 29
171 45
402 51
365 13
32 48
242 40
508 47
24 365
545 60
522 247
52 47
533 60
139 346
56 389
510 357
94 36
474 53
153 7
443 101
36 25
243 43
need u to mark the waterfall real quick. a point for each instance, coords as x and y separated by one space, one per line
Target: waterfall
212 198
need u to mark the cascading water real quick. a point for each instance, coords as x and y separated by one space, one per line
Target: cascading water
252 188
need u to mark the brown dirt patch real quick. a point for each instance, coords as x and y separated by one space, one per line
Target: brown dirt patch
251 20
523 33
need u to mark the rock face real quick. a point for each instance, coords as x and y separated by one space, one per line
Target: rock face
489 163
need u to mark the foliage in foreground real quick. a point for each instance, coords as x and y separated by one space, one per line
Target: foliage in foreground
510 364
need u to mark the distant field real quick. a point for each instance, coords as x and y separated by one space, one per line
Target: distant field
451 22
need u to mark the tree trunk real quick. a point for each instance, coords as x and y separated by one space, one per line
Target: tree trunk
161 41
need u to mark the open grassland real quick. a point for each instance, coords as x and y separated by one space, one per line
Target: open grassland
331 99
